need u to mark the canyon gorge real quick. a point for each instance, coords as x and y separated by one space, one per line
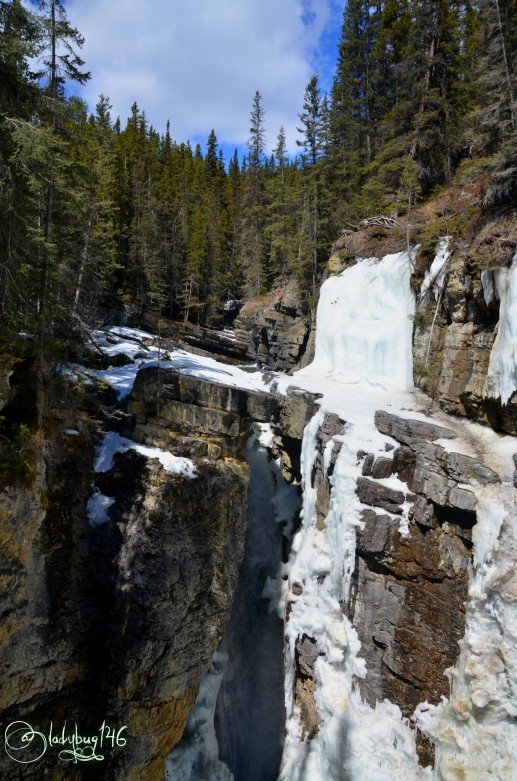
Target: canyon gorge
282 550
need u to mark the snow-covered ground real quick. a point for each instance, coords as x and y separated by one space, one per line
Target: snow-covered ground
145 350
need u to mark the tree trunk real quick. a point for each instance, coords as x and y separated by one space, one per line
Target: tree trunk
84 260
506 65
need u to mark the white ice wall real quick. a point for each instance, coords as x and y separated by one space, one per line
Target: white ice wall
501 381
364 326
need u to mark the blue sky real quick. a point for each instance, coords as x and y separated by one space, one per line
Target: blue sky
199 62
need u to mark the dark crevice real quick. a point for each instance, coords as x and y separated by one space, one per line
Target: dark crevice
465 519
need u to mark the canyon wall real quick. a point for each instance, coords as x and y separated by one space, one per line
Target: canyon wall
118 620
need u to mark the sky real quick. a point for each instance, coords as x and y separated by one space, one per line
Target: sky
199 62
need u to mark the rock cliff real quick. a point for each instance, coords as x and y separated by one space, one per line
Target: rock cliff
118 620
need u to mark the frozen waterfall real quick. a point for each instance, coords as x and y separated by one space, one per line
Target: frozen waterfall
501 381
364 325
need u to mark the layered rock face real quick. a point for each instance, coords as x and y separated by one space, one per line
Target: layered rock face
45 596
409 594
226 344
279 329
409 590
200 417
457 329
119 622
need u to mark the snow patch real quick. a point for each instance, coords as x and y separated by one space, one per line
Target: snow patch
97 508
113 443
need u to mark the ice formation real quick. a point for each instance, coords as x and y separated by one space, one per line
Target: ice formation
363 350
435 277
364 327
501 381
196 758
473 731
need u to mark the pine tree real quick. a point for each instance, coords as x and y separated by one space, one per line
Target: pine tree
19 43
253 227
212 159
197 260
311 122
279 228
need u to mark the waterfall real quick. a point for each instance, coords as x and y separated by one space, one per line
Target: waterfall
362 364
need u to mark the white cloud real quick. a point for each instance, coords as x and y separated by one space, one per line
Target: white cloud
199 62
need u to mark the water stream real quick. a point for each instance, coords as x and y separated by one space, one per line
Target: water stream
246 678
250 713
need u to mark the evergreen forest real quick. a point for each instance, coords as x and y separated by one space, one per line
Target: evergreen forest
100 214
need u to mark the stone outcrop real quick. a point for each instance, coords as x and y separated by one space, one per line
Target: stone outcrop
225 344
279 329
120 621
165 571
409 594
454 337
201 417
296 408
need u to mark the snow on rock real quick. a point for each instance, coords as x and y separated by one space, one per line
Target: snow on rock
210 369
113 443
435 277
121 378
474 730
501 381
364 326
129 341
97 508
